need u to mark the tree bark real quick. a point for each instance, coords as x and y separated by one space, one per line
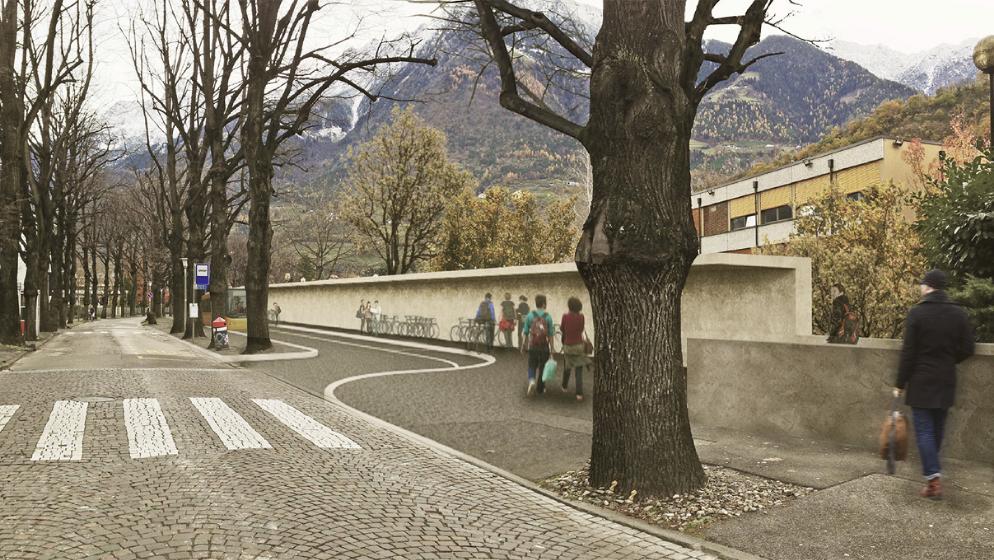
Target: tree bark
118 274
11 155
94 301
106 299
195 203
637 247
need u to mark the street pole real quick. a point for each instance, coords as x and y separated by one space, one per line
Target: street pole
983 58
186 300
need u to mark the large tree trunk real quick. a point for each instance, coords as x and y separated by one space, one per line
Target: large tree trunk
196 202
57 279
106 299
257 268
176 285
32 275
11 154
133 292
637 247
260 168
69 280
94 301
118 274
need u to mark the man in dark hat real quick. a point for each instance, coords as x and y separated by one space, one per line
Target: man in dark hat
937 336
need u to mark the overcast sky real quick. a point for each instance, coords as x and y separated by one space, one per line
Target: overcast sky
906 25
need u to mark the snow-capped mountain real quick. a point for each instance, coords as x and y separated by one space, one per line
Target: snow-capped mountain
942 66
926 71
882 60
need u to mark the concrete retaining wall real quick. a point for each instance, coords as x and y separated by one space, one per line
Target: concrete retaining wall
727 296
807 388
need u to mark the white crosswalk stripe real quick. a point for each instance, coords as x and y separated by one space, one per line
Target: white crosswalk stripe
6 413
308 428
148 432
62 439
230 427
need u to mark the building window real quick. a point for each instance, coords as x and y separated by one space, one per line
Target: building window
777 214
743 222
856 196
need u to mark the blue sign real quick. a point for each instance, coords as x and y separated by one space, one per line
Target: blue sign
203 276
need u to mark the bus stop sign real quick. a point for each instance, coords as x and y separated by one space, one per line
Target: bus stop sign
203 276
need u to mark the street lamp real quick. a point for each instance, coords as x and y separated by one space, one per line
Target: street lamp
983 57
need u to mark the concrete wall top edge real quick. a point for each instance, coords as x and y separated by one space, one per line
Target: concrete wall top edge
708 259
817 340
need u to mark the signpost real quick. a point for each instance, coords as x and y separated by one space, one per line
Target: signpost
203 276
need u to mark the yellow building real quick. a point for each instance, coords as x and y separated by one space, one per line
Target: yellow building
760 210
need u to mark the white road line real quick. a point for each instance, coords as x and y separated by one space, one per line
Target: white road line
6 413
376 348
148 432
62 439
230 427
309 428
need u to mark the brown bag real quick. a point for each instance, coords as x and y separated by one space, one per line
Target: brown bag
900 424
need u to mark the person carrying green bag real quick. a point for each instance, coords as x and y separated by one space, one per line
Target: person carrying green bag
539 330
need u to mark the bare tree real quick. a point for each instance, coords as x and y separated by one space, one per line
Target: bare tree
284 81
318 235
638 241
52 47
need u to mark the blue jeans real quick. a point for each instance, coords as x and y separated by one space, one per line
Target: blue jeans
930 425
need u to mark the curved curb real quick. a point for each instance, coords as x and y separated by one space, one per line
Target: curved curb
305 353
675 537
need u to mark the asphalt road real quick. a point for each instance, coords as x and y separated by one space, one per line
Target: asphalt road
483 412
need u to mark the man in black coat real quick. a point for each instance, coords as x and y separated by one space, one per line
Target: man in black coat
937 336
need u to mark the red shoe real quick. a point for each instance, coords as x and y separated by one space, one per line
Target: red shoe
932 490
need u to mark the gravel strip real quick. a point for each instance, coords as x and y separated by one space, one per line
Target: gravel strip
726 495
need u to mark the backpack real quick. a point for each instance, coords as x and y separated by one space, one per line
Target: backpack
538 333
483 313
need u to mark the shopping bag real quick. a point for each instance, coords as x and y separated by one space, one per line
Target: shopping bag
549 373
894 438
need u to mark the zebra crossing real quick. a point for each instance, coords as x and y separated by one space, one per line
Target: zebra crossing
150 436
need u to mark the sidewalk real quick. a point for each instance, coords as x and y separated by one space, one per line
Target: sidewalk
10 354
236 345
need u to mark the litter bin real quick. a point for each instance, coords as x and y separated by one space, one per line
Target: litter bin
219 332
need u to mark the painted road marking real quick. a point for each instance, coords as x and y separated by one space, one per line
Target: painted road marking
230 427
308 428
62 439
148 432
6 413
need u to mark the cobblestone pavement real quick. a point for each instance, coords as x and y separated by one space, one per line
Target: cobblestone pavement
178 462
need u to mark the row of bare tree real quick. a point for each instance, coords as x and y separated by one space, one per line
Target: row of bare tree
52 154
224 86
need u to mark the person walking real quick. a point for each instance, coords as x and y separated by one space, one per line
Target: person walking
575 340
507 320
361 315
539 332
937 336
485 315
276 314
374 315
522 312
